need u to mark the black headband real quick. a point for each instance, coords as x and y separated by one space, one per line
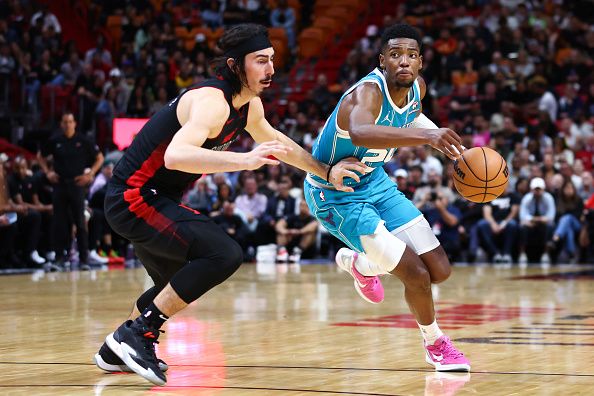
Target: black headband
254 44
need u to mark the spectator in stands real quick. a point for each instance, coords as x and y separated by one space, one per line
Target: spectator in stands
546 100
570 104
7 61
296 233
425 197
121 90
213 16
569 216
350 71
100 233
76 161
100 52
427 161
200 197
472 213
23 192
498 230
48 20
415 177
69 70
587 188
138 105
234 13
279 206
283 16
401 176
251 204
224 194
537 218
8 219
444 217
233 224
89 93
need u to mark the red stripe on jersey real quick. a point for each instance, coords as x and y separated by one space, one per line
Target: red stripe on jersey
149 167
229 136
190 209
149 214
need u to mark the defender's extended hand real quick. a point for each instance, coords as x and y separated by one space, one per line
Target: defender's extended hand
346 168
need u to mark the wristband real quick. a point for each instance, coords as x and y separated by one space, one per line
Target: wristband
328 174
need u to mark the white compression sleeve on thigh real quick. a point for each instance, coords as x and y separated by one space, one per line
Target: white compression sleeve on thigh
423 122
418 236
382 250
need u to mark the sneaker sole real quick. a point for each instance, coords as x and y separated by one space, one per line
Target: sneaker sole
448 367
110 368
123 352
355 283
120 368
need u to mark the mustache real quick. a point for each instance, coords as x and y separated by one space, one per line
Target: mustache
266 80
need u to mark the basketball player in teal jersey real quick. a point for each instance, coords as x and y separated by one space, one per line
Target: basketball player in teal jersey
385 232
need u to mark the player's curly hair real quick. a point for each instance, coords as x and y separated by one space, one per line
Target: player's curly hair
234 36
401 30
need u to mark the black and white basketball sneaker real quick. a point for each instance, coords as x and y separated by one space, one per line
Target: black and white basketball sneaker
134 343
108 361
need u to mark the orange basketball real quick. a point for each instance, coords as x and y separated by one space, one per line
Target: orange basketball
480 174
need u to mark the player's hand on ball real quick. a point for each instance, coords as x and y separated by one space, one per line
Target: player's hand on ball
446 141
347 168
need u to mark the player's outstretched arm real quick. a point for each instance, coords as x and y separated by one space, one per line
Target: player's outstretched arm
207 113
360 110
262 132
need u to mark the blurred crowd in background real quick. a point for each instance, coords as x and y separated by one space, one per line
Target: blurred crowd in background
517 76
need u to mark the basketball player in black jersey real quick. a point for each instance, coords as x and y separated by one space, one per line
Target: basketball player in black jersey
184 252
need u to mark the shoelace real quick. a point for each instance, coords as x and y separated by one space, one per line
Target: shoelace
150 337
447 348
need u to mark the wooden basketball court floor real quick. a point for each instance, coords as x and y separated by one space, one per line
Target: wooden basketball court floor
303 330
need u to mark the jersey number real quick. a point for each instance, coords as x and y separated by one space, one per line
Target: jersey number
377 155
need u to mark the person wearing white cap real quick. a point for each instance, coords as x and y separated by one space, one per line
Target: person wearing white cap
537 217
121 87
401 176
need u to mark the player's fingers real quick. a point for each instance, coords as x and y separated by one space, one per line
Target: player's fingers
447 151
358 167
457 151
455 136
269 161
457 147
276 151
345 189
347 173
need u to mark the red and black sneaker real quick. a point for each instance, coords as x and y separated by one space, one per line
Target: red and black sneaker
134 343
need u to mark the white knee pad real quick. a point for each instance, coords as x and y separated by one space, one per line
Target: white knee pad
418 235
383 249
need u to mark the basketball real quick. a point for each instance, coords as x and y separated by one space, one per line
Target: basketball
480 174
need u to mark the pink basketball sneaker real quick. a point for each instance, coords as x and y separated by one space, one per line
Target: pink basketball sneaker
444 356
369 287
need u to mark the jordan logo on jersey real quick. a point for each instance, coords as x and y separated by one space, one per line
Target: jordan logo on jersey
389 117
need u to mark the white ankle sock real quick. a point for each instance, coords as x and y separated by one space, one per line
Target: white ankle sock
430 332
367 267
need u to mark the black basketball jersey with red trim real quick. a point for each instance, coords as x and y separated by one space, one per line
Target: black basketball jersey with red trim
143 166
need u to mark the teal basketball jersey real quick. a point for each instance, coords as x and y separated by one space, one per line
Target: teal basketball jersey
334 144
